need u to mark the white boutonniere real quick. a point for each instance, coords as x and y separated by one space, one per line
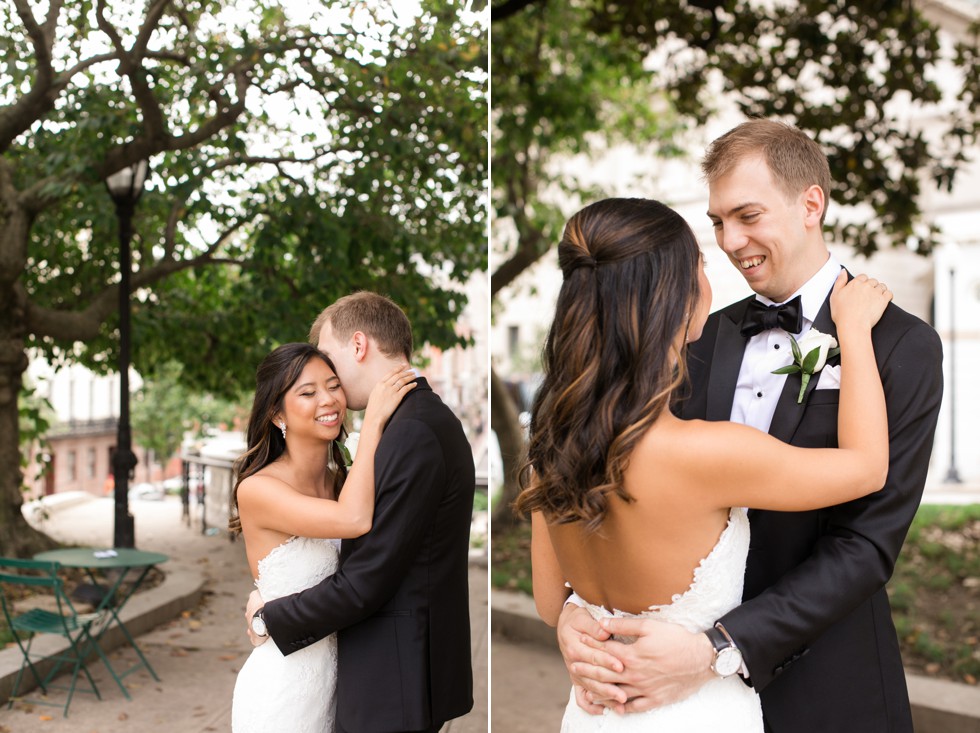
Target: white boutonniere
809 356
349 448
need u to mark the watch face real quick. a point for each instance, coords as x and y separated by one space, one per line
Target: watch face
258 626
728 662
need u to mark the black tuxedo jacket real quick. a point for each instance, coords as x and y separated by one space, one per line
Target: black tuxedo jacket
815 625
399 602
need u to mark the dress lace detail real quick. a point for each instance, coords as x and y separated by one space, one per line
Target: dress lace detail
294 693
721 704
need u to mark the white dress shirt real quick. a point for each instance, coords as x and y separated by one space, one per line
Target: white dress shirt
757 390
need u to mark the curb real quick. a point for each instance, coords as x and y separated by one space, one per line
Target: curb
181 590
938 706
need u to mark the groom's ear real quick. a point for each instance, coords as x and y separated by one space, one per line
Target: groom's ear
814 203
361 345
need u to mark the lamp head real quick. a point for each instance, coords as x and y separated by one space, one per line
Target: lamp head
126 185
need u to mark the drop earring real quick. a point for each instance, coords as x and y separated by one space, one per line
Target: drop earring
282 426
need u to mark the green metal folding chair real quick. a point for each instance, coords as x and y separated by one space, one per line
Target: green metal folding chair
38 577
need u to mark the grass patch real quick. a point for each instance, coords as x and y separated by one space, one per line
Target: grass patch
481 502
934 592
511 559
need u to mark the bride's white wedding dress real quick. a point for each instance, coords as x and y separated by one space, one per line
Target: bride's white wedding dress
720 705
294 693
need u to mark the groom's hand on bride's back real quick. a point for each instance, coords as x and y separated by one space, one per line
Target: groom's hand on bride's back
665 664
581 640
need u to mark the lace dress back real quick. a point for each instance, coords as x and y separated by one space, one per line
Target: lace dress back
294 693
721 704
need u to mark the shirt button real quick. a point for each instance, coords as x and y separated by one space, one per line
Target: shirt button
758 394
775 346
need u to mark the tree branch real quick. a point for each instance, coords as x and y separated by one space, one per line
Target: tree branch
19 116
42 51
223 237
509 8
130 66
34 199
531 246
62 80
529 252
145 146
84 324
153 15
178 210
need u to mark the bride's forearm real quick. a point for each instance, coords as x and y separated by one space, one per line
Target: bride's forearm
357 496
862 417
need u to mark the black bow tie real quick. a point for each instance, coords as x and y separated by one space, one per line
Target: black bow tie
760 317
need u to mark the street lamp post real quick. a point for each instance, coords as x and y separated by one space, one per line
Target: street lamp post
952 475
125 187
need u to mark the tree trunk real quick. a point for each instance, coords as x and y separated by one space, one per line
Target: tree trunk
505 422
18 538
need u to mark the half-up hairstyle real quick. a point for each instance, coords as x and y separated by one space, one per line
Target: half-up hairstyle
611 362
275 376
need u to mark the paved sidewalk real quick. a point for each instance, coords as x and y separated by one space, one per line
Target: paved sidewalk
529 686
197 655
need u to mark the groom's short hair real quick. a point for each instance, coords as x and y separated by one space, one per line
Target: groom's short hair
795 160
377 316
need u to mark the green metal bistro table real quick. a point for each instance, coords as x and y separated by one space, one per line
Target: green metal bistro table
125 561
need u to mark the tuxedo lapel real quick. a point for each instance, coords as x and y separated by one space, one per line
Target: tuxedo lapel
789 411
726 363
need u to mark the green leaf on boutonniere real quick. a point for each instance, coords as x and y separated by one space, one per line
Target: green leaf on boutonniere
797 354
810 361
347 459
806 366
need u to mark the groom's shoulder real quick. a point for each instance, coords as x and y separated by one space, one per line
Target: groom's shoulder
428 413
898 325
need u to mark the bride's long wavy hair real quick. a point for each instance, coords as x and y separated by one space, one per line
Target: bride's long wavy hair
275 376
611 361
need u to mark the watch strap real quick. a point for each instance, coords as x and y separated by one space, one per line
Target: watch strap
718 639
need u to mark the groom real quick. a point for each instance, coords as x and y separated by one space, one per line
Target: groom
399 602
814 631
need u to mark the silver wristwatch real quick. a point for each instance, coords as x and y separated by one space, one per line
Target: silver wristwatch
728 659
258 624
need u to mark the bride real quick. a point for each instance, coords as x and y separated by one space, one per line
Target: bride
638 511
292 513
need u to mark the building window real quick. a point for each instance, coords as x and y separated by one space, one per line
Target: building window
90 469
71 467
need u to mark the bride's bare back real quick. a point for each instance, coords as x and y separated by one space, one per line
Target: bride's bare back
646 551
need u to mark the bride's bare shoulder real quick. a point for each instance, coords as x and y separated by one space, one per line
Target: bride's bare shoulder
703 440
263 482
